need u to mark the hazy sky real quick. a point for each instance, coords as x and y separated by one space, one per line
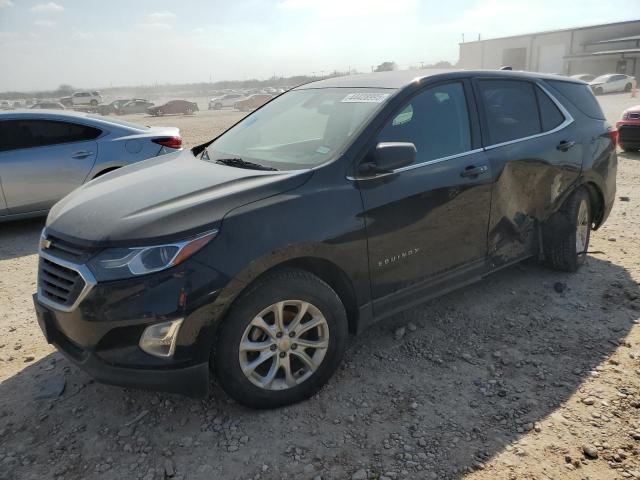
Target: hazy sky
93 43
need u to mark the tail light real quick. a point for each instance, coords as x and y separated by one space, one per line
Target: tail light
171 142
613 133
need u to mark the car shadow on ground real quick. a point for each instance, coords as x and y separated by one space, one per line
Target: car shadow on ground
630 155
20 237
435 391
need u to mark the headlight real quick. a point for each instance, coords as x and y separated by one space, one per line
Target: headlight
118 263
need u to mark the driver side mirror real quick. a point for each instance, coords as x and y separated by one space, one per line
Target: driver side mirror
388 156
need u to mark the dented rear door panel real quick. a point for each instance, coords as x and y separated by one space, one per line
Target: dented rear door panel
531 178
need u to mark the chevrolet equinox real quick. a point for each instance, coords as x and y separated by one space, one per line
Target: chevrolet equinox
337 204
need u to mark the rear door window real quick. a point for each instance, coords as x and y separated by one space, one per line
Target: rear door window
511 110
39 133
436 121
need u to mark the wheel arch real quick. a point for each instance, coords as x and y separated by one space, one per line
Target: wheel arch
323 268
596 199
105 170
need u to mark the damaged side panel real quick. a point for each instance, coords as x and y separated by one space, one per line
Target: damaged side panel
532 178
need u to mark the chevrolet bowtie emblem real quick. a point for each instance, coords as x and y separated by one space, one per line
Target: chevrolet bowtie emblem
44 243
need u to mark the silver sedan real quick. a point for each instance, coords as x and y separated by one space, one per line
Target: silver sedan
44 155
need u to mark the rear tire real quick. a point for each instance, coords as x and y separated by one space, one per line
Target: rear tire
627 87
289 372
569 253
598 91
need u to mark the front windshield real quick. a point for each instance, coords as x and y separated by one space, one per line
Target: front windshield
601 78
301 128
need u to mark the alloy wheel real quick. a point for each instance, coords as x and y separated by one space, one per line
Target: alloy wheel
284 345
582 228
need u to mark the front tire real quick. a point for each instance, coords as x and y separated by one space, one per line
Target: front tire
598 91
569 253
627 87
281 341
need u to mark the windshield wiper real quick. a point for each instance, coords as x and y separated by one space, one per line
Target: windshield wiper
240 163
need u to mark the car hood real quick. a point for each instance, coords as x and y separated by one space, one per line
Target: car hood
634 109
162 199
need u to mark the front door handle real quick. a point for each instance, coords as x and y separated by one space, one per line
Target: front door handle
565 145
82 154
473 171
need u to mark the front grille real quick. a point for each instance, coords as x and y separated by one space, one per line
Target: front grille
68 251
634 116
629 133
59 284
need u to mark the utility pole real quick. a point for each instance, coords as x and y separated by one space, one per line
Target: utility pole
463 38
322 72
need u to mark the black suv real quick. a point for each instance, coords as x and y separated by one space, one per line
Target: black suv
339 203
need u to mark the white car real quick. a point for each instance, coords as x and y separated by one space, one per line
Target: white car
82 98
612 82
45 154
227 100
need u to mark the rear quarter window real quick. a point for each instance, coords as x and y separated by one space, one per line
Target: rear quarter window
580 96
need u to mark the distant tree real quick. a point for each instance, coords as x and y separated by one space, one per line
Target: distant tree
65 89
442 64
386 67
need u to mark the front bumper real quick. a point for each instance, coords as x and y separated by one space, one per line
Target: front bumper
191 380
629 133
101 334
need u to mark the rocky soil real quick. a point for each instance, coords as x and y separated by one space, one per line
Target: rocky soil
530 374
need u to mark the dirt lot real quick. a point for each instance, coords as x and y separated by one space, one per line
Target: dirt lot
506 379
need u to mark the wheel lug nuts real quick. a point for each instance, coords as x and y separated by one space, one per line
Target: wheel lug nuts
279 334
294 346
282 354
292 334
273 348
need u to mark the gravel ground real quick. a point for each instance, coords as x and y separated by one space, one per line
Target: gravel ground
530 374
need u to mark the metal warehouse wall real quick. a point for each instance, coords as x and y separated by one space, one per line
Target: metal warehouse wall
546 52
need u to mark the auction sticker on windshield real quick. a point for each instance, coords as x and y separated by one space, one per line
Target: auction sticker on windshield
365 98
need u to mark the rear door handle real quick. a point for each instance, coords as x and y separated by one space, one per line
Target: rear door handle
82 154
473 171
565 145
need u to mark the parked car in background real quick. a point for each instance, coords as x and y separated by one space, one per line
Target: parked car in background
343 202
252 102
45 155
629 129
82 98
585 77
612 82
115 107
223 101
4 105
48 105
17 104
137 105
173 107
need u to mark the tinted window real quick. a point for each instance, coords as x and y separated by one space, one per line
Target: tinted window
436 121
581 96
550 114
510 108
37 133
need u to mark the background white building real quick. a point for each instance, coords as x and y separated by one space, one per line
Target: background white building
597 49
